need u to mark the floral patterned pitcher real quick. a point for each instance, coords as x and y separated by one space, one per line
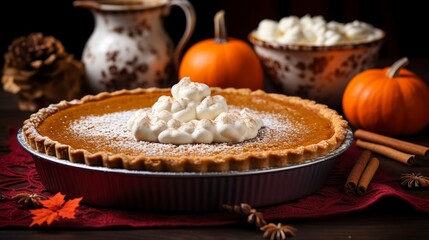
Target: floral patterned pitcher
129 47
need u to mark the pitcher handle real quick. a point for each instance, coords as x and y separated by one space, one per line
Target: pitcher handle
188 9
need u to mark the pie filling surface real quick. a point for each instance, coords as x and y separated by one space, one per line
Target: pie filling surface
93 131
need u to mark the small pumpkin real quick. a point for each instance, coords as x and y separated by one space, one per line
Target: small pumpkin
222 61
392 101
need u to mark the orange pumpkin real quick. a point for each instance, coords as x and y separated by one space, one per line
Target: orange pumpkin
222 61
392 101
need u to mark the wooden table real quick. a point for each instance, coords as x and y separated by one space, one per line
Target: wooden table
389 218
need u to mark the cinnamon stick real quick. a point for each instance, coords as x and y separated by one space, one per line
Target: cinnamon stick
356 172
400 145
367 175
387 152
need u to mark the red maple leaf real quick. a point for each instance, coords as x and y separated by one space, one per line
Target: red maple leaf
54 208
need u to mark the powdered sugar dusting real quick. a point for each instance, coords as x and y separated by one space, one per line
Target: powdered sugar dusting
276 132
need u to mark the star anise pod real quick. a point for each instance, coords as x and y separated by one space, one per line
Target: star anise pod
253 216
256 217
278 232
28 200
271 231
412 180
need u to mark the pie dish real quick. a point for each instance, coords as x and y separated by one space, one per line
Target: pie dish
183 191
92 131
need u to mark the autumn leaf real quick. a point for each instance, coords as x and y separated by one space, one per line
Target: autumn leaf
55 208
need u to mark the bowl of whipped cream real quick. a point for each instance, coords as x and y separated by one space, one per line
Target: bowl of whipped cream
313 58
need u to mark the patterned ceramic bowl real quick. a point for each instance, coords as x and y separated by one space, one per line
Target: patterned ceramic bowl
320 73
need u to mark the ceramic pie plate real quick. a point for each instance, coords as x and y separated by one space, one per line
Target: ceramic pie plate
182 192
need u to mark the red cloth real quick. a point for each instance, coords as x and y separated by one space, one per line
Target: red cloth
18 174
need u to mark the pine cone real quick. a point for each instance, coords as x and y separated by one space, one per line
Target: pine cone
41 72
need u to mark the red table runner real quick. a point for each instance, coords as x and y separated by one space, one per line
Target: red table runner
18 174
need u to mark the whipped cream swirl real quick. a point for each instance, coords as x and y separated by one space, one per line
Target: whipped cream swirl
192 115
315 31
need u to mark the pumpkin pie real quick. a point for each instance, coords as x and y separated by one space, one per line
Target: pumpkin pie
93 131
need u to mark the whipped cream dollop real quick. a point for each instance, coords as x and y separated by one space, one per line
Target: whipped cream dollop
192 115
315 31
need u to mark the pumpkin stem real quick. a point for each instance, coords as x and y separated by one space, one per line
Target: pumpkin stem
394 69
220 28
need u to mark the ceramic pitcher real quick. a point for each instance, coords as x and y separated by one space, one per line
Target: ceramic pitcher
129 47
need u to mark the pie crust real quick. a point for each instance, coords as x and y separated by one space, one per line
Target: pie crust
92 131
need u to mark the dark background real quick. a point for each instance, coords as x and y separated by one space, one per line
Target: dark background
405 22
